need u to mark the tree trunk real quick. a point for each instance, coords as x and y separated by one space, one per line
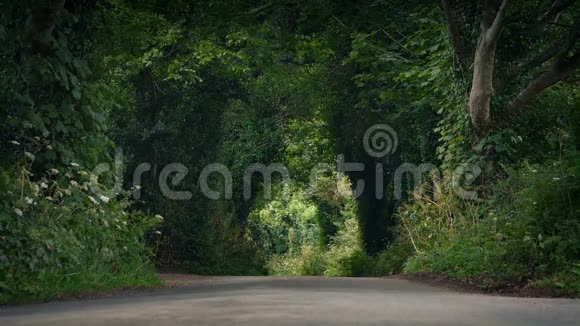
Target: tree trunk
482 87
483 67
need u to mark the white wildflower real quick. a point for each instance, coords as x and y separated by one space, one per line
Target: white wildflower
104 199
43 185
74 165
49 198
53 171
29 200
73 183
67 192
534 171
158 232
93 200
37 138
556 179
159 217
29 156
35 188
48 147
14 142
18 212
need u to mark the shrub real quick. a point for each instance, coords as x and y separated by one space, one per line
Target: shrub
390 261
526 232
310 261
312 231
58 239
346 255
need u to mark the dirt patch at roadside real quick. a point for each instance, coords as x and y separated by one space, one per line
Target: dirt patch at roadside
482 287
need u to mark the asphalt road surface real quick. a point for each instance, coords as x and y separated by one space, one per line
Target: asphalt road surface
297 301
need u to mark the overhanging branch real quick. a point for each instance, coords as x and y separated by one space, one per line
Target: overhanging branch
559 71
558 49
552 15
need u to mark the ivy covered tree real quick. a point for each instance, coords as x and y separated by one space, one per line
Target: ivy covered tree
529 46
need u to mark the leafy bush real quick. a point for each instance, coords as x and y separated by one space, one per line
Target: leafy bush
390 261
222 249
346 255
310 261
527 232
310 232
58 238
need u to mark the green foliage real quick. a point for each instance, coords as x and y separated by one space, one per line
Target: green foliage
50 107
526 233
346 255
310 261
241 82
292 230
58 238
221 249
390 261
307 143
285 225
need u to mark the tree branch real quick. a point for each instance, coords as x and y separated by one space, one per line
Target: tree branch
457 39
542 57
557 7
559 71
560 47
550 17
498 22
266 7
489 14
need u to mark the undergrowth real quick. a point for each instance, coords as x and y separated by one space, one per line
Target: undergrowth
525 234
59 239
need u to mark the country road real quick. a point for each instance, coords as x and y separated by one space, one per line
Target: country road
297 301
